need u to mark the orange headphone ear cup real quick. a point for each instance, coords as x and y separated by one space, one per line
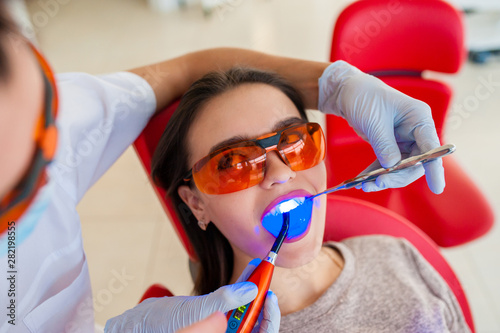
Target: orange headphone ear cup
48 143
39 129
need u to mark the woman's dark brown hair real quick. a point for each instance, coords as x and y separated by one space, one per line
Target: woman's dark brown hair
7 26
169 166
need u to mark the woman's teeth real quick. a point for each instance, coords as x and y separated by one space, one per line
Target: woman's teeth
287 206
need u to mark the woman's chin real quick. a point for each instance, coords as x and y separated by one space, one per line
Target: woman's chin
296 256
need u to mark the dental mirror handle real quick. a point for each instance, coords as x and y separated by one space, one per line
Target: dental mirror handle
403 164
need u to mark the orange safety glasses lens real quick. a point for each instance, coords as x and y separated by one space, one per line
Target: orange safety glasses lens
17 201
242 165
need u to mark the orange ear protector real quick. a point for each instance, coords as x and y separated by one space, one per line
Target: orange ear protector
17 201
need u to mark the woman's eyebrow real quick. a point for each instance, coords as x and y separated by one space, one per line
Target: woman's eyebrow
287 122
238 138
228 142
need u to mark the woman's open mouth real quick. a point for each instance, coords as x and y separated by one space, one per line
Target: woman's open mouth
300 215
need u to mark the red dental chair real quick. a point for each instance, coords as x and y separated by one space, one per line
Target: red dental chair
397 41
352 217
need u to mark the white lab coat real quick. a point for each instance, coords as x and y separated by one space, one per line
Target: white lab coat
99 117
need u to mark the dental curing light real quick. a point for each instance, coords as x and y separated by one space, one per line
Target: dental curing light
243 319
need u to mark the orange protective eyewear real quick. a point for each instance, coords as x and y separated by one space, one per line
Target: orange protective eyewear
242 165
17 201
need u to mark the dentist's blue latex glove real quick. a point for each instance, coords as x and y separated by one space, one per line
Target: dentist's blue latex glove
170 314
396 125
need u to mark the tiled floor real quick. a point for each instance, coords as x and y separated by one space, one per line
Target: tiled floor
123 224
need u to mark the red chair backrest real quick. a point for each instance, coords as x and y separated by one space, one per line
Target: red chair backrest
350 217
145 146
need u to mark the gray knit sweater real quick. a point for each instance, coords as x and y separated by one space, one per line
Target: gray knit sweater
385 286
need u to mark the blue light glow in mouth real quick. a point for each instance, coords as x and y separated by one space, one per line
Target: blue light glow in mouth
300 217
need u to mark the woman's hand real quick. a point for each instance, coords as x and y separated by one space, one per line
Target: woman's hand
396 125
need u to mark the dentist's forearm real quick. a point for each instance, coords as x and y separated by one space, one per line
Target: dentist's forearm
171 78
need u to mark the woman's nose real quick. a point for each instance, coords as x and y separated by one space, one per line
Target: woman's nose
277 172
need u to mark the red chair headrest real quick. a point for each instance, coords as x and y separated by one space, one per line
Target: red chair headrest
380 35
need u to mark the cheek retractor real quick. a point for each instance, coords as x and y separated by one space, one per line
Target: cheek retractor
300 211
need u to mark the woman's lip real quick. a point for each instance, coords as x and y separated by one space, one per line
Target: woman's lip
292 194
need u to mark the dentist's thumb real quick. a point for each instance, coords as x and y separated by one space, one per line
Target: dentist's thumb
229 297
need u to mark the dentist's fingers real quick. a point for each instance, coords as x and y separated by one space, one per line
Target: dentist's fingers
434 174
384 145
228 297
397 179
427 139
270 316
215 323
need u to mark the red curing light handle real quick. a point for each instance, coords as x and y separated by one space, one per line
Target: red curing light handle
243 319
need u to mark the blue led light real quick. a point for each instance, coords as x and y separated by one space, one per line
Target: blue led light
300 217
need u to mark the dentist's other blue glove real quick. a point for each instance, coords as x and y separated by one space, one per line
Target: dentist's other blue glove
396 125
169 314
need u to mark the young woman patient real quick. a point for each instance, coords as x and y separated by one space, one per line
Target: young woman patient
240 143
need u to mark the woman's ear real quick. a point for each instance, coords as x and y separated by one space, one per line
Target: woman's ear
194 202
